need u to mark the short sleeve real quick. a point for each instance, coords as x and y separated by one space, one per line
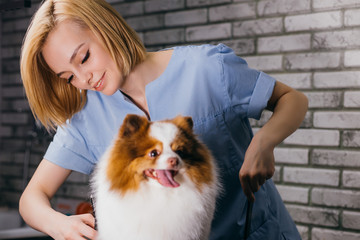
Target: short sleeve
248 90
70 151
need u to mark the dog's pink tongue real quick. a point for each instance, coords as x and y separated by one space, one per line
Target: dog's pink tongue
166 178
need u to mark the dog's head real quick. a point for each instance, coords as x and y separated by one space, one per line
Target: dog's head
157 153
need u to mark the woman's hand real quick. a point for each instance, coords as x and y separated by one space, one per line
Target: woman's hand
258 166
75 227
36 210
289 108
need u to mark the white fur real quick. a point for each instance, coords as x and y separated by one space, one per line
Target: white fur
154 211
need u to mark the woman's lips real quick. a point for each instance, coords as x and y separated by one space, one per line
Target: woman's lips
100 83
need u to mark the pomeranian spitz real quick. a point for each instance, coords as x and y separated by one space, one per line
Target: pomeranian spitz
156 181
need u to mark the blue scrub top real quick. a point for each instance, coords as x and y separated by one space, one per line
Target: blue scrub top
220 92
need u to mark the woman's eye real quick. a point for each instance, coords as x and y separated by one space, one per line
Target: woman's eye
69 79
86 57
153 153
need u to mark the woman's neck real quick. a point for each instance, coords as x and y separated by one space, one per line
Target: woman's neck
150 69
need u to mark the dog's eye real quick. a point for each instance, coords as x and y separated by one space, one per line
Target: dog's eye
180 153
154 153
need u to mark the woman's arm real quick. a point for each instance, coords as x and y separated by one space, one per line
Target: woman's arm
37 212
289 108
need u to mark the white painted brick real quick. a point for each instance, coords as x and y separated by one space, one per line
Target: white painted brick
196 3
306 61
341 119
295 80
345 79
311 176
351 179
146 22
163 5
164 36
141 36
352 17
351 138
257 27
313 21
76 177
5 132
296 42
11 170
337 39
12 38
336 198
14 118
11 66
324 99
352 58
293 194
328 4
114 1
20 105
314 137
76 191
313 215
277 175
241 46
352 99
129 9
307 122
265 116
326 234
351 220
267 7
12 92
209 32
66 206
291 155
10 52
335 158
232 11
15 25
11 78
304 232
265 63
197 16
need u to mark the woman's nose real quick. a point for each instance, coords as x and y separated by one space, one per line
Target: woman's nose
85 77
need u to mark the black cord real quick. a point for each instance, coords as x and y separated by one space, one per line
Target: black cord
248 219
93 207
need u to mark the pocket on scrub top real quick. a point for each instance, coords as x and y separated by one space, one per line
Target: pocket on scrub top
261 214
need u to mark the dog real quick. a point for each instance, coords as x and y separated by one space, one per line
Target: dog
156 181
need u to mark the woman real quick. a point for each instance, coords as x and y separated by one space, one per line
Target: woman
84 69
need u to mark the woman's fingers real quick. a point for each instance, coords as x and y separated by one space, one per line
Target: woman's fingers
88 219
251 184
81 226
246 186
88 230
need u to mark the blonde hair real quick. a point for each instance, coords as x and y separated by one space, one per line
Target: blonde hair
52 100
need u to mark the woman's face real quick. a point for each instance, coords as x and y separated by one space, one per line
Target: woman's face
76 55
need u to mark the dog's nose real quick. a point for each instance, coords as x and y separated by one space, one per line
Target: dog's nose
173 161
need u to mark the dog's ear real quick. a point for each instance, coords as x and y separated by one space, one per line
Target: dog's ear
184 122
133 124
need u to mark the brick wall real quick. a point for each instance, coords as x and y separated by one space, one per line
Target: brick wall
311 45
